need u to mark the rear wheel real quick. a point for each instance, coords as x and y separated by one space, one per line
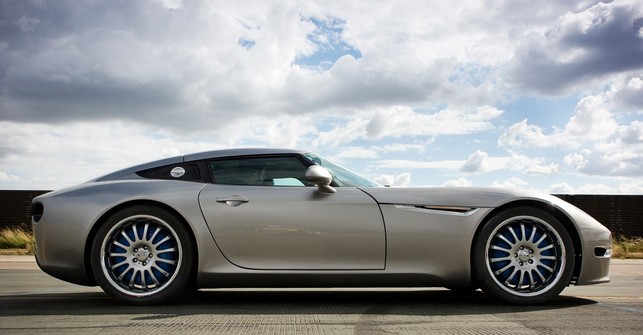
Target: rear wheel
142 255
523 255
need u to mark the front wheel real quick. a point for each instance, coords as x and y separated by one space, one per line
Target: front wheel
142 255
523 255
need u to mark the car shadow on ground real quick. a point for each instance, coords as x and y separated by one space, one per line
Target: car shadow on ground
249 302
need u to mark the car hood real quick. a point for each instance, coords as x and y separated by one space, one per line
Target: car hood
454 196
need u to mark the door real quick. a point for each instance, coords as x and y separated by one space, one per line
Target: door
272 220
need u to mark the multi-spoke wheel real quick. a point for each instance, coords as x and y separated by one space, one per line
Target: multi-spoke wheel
523 255
142 255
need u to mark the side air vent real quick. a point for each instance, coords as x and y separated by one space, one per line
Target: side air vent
454 209
37 210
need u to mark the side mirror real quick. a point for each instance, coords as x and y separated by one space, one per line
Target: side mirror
320 177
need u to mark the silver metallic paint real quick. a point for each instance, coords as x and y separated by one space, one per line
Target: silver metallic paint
296 228
423 247
63 232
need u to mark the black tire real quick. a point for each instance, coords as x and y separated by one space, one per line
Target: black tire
142 255
523 255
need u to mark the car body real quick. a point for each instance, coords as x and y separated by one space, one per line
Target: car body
290 218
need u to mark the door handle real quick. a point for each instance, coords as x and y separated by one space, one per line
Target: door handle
233 201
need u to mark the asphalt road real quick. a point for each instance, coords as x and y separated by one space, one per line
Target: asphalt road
31 302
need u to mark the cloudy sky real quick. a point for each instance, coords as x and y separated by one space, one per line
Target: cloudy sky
543 95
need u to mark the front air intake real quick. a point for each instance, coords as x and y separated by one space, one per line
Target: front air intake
602 252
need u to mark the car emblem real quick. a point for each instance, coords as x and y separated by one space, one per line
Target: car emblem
177 172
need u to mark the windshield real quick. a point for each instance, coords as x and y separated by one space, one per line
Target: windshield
341 175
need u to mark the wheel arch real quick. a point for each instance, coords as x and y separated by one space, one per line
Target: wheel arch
555 211
101 220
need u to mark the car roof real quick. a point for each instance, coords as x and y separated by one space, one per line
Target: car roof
128 172
238 152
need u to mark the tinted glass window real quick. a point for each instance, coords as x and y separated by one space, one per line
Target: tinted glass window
341 175
269 171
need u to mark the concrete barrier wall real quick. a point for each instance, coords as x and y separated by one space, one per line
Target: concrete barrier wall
621 214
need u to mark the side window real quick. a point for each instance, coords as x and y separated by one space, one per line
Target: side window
267 171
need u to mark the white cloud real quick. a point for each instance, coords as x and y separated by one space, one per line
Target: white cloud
402 147
634 186
594 189
523 134
59 156
581 48
278 130
631 187
480 162
163 65
4 176
542 169
592 121
399 180
399 122
629 95
475 163
460 182
171 4
512 182
409 164
619 155
578 160
357 152
561 188
391 86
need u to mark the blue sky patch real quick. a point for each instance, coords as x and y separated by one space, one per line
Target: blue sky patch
246 43
330 44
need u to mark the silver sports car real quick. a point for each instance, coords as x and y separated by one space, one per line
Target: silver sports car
288 218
